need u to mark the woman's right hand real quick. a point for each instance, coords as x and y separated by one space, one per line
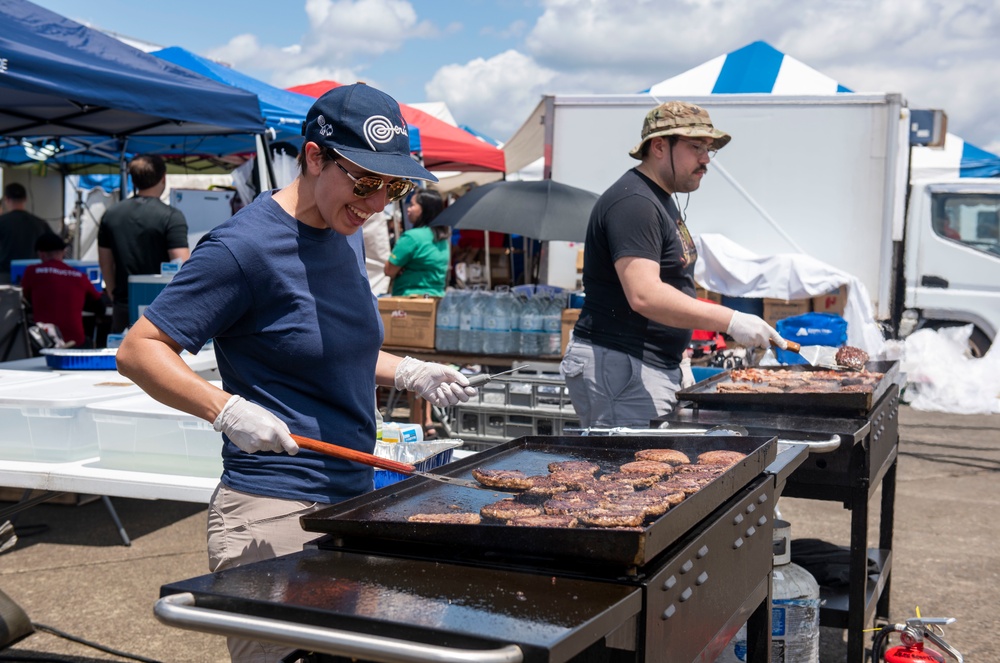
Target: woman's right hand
253 429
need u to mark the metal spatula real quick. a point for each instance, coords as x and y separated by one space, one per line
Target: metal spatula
385 463
797 349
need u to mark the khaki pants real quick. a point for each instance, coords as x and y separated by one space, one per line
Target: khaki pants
243 529
610 388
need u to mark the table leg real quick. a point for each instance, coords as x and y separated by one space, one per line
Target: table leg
118 523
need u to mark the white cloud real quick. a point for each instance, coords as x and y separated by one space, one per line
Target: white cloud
493 95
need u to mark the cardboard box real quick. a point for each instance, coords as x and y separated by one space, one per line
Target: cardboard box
409 321
701 293
779 309
569 318
831 302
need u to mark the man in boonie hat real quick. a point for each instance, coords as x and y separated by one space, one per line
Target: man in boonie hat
623 363
283 290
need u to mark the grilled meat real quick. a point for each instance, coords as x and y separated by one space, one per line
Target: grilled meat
851 357
459 518
722 457
647 467
509 508
503 479
671 456
545 520
575 466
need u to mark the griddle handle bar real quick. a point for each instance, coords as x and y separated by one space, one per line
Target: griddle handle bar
180 610
351 454
792 346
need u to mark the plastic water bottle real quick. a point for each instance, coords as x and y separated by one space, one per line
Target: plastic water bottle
470 337
552 326
531 327
496 323
446 332
514 338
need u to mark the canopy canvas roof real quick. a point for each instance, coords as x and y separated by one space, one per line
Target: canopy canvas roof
761 68
71 88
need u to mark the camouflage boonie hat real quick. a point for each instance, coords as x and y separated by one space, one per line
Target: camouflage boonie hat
678 118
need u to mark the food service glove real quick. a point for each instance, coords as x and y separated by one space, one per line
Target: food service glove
436 383
753 332
252 428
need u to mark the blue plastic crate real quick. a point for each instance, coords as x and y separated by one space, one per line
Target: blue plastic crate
385 478
704 372
81 360
811 329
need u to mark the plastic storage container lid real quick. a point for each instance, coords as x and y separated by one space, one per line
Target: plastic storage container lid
74 390
142 405
9 378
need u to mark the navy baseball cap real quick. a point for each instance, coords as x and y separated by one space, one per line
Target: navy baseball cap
365 126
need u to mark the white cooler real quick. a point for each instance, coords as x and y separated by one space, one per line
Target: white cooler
44 420
141 434
10 378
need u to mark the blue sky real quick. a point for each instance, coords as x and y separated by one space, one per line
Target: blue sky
491 60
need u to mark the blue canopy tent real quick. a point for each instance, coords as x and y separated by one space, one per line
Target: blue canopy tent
283 111
73 96
761 68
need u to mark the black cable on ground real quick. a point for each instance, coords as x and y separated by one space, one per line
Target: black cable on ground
61 634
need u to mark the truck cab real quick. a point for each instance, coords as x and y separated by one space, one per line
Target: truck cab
952 257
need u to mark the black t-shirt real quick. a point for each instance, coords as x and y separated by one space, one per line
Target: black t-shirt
634 218
140 231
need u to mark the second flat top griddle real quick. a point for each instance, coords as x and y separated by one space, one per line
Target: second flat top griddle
705 393
382 515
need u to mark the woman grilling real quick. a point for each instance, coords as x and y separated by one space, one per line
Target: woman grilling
282 289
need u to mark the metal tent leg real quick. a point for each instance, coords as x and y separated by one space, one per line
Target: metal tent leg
118 523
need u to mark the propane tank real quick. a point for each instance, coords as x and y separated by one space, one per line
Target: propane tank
794 610
794 604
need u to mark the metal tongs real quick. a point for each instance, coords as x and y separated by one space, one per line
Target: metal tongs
385 463
480 380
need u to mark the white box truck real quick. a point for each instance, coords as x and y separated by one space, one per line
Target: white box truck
827 176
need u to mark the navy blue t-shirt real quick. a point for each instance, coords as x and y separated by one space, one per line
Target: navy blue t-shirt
634 218
296 331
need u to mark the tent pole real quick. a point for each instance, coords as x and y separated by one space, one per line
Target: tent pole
489 276
122 171
265 169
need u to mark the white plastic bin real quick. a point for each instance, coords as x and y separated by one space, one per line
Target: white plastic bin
141 434
45 420
10 378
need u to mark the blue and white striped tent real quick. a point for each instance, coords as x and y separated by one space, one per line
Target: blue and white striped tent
761 68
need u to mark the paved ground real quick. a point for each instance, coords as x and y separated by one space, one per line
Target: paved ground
78 578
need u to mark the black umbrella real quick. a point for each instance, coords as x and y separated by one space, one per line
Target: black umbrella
541 209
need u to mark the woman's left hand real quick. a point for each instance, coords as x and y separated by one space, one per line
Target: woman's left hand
436 383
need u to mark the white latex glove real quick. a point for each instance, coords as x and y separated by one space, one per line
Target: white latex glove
752 332
436 383
687 376
253 429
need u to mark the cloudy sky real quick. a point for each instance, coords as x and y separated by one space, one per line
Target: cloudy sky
491 60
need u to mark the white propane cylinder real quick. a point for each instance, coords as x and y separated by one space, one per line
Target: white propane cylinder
794 610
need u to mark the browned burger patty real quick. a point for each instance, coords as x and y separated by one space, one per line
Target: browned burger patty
615 516
545 520
652 504
696 470
571 503
544 487
584 466
573 480
648 467
679 484
851 357
509 508
664 492
671 456
505 479
459 518
634 480
721 457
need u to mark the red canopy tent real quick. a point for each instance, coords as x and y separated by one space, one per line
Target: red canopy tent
443 147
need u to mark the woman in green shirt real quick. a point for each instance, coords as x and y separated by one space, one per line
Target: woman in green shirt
418 264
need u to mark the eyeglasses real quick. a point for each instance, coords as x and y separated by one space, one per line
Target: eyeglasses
366 185
700 148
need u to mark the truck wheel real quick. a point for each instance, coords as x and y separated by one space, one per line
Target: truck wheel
979 342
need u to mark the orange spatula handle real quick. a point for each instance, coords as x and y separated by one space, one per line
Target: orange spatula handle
351 454
792 345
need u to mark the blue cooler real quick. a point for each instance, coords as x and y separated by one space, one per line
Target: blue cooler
142 290
811 329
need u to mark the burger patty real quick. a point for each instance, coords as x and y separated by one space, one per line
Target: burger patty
509 508
851 357
671 456
634 480
545 520
544 487
505 479
613 516
459 518
571 503
582 466
648 467
721 457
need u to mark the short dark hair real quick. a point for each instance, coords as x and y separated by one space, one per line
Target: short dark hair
147 170
15 191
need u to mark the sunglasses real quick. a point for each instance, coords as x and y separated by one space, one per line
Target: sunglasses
366 185
700 148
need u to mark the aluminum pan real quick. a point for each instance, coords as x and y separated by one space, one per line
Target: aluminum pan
382 514
705 395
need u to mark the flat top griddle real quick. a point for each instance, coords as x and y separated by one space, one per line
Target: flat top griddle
706 394
382 515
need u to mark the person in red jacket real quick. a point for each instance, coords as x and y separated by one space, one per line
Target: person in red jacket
56 291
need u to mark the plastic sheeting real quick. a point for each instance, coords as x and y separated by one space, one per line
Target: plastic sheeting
727 268
942 377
